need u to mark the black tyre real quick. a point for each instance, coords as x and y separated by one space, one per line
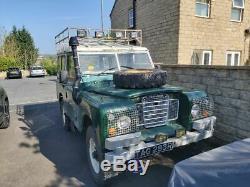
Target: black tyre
65 119
6 116
94 156
139 79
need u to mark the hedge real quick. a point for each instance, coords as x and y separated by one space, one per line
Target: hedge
7 62
50 66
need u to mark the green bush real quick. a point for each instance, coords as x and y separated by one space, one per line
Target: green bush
7 62
50 66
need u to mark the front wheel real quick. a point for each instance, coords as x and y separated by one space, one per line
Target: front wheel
94 156
6 116
64 117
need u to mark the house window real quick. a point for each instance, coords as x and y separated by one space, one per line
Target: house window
202 8
202 57
131 18
207 58
237 10
233 58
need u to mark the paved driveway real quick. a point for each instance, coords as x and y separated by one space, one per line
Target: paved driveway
30 90
36 151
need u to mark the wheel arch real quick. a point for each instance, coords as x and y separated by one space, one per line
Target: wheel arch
86 122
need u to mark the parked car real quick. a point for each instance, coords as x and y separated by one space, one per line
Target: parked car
14 72
37 71
112 93
4 109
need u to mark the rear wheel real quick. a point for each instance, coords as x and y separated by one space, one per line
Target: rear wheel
6 116
94 156
64 117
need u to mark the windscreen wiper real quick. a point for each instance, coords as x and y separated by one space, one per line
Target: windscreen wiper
115 68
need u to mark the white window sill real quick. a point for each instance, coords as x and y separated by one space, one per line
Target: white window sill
236 21
206 17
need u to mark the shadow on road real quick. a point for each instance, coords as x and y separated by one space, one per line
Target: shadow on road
66 151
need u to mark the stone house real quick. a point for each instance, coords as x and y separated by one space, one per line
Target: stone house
199 32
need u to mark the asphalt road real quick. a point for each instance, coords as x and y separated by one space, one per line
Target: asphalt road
30 90
36 151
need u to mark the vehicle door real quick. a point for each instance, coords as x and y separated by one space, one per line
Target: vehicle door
72 107
62 75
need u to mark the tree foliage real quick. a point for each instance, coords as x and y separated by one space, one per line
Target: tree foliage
6 62
19 45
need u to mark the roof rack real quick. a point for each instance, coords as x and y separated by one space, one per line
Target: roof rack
88 37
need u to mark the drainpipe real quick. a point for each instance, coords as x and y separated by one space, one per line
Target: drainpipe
73 42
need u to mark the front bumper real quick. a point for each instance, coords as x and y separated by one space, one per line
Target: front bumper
13 75
127 145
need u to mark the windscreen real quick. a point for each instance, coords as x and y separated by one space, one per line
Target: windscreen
36 68
13 69
96 63
135 60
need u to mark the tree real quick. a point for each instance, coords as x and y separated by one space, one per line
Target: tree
19 44
2 38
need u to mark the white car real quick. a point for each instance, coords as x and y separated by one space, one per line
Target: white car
37 71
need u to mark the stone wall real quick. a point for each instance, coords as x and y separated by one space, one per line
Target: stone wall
230 90
159 21
25 73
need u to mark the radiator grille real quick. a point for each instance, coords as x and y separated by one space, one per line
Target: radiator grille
158 110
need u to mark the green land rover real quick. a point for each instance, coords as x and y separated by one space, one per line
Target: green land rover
110 91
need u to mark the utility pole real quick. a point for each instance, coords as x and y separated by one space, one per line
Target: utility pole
102 15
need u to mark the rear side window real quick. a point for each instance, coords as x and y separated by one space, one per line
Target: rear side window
59 63
71 68
63 63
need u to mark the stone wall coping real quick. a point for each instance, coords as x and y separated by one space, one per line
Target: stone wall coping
207 67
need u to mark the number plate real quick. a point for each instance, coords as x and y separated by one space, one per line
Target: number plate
154 150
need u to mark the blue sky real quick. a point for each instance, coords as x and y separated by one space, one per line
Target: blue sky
45 18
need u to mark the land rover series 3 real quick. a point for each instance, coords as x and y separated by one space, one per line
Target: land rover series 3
110 91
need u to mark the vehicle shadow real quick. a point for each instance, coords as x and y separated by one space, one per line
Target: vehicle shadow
66 151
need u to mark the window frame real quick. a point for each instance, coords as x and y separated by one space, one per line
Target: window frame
210 52
237 8
243 6
233 53
241 15
209 9
131 17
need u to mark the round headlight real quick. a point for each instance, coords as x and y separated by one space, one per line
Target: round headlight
195 111
123 122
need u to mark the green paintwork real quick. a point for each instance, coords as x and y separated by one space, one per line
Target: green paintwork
98 95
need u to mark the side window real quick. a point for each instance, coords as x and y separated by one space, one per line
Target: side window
70 68
233 58
207 58
202 57
202 8
59 63
131 23
63 63
237 10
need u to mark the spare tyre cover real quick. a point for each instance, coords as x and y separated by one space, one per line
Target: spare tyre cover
139 79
